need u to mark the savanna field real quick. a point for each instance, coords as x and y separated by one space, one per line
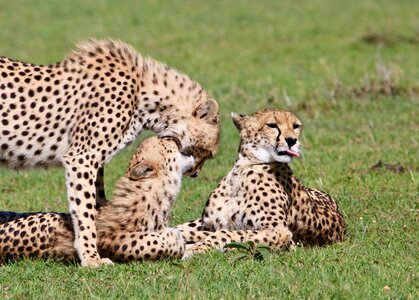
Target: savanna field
348 69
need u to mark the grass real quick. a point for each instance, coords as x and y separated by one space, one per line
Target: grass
331 62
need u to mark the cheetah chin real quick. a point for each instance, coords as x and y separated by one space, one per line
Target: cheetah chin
281 155
285 156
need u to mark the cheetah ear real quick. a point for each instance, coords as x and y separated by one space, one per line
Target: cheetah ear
237 119
208 111
142 171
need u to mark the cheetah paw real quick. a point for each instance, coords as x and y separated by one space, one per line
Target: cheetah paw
292 247
96 262
194 249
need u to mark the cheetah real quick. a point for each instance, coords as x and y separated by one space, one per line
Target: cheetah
133 226
260 199
82 110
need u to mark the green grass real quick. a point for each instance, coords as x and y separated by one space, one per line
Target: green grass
312 57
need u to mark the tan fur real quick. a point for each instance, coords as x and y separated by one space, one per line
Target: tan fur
81 111
133 226
260 199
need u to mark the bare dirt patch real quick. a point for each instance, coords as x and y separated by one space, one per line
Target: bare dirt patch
395 168
387 39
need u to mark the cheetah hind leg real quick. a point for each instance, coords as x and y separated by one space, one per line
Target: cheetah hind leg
137 246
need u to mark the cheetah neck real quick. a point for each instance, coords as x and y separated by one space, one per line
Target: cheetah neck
165 93
282 173
249 155
233 179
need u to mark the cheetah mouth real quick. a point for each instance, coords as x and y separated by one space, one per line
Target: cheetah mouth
288 153
185 153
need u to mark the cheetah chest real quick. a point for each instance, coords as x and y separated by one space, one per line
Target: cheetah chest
227 207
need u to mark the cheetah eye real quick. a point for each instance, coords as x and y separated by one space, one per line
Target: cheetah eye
272 125
296 126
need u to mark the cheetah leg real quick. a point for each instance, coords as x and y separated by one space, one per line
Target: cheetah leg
100 188
277 239
40 235
130 246
320 226
81 196
193 231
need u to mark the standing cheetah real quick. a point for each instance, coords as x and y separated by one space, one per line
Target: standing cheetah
260 199
81 111
133 226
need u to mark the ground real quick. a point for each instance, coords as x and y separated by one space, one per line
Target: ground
325 60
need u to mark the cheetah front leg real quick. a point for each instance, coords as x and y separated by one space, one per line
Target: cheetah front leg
80 179
193 231
277 239
100 188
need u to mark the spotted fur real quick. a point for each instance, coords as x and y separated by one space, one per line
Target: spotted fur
81 111
133 226
260 199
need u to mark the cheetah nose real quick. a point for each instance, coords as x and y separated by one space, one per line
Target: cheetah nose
291 141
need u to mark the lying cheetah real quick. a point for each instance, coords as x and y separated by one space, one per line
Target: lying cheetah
260 199
81 111
131 227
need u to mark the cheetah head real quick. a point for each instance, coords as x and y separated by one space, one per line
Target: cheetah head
270 135
197 132
158 158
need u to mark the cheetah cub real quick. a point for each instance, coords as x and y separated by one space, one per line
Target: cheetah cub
133 226
260 199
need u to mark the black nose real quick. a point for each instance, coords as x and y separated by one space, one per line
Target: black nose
290 141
